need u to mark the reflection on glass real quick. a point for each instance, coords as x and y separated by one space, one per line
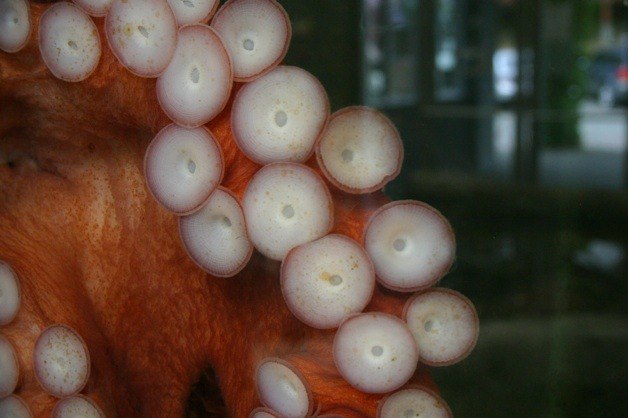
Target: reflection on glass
448 40
506 73
390 46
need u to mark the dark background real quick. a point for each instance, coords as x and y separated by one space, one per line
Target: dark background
514 126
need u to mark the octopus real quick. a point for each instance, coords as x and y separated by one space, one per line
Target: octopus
170 195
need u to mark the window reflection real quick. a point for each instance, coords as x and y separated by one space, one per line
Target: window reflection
538 89
449 40
390 45
506 73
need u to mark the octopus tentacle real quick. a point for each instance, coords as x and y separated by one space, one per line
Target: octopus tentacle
92 250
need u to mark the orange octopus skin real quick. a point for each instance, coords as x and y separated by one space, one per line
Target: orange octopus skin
93 250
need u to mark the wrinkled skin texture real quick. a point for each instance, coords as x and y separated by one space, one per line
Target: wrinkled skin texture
94 250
